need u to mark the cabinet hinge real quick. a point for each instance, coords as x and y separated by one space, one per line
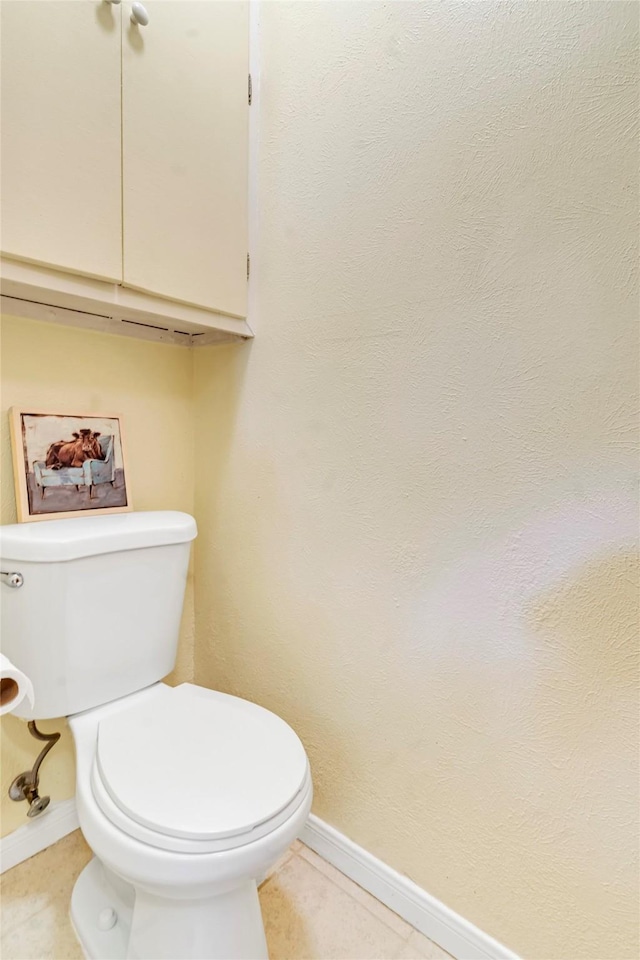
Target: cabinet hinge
248 266
250 90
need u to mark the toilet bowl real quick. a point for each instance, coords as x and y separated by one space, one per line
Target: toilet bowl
188 822
186 796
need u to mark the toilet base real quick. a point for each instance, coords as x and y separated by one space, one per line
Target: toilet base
147 927
97 890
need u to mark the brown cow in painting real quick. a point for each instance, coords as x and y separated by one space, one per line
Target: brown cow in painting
73 453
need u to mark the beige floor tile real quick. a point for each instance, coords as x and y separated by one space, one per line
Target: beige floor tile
308 916
46 935
418 947
397 924
42 881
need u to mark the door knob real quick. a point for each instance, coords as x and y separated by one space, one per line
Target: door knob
139 14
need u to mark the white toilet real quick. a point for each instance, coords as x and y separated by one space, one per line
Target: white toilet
185 795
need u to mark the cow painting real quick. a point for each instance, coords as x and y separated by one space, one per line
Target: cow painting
67 464
73 453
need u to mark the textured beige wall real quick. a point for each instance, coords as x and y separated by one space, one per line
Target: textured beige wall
416 506
55 367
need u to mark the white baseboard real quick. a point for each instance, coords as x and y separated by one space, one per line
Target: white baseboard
448 929
35 835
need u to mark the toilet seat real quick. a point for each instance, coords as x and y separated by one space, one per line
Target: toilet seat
193 770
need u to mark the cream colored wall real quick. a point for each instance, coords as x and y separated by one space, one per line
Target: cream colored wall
60 368
417 506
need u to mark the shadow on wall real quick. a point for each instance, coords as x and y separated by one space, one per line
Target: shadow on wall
531 653
219 377
575 621
503 590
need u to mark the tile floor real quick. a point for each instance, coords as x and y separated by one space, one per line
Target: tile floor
311 911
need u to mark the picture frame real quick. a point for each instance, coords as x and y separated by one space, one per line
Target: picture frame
68 464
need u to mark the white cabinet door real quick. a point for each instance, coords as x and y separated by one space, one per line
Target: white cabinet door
185 140
61 146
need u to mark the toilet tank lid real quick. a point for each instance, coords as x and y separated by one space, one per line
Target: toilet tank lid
51 541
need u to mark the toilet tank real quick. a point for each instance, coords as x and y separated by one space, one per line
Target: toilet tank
98 613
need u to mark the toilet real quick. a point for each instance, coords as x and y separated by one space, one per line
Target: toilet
186 796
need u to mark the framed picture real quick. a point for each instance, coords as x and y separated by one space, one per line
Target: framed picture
67 465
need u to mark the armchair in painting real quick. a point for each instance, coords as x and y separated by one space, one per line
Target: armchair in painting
91 473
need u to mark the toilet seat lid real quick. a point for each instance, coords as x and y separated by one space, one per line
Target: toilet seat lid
194 763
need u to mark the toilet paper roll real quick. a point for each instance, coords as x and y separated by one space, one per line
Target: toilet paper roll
14 686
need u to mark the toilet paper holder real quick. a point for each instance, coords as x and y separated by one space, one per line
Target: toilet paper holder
25 785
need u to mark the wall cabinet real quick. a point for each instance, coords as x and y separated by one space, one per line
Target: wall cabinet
125 146
61 149
184 127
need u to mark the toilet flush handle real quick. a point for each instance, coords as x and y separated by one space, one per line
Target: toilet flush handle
12 579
